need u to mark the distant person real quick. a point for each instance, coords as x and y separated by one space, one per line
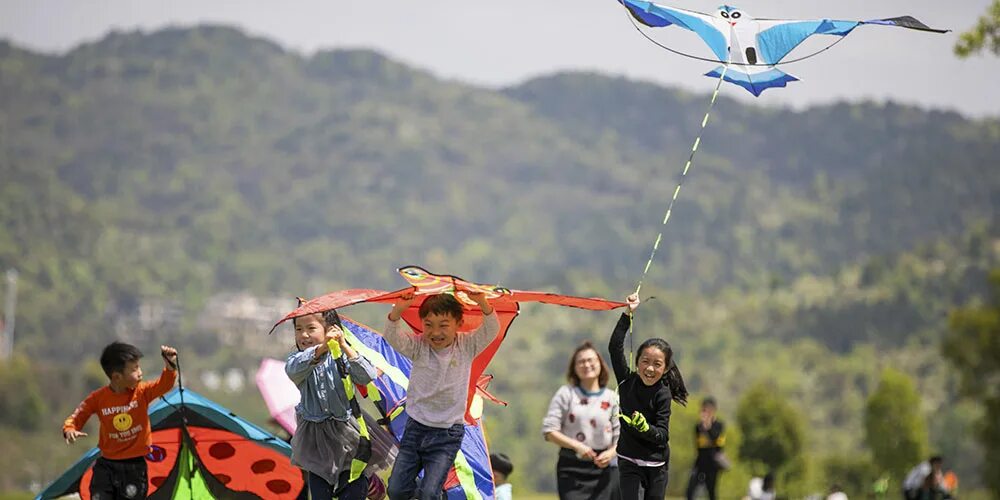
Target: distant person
583 422
836 493
327 437
709 437
925 481
502 468
761 488
646 395
122 408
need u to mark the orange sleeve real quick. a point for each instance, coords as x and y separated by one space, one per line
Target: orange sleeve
159 387
78 418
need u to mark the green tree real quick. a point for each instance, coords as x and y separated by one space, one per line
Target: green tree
973 348
771 428
986 34
21 404
852 473
895 429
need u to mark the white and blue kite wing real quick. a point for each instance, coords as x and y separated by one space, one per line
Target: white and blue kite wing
703 25
777 37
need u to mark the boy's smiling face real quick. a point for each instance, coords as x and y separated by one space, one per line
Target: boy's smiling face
440 330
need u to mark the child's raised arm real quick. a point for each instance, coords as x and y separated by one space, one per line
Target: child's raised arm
479 297
490 327
405 301
162 385
616 347
169 355
406 342
361 370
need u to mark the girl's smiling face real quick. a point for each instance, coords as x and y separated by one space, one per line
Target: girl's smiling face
652 365
309 331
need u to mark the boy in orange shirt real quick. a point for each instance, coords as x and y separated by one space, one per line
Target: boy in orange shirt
122 407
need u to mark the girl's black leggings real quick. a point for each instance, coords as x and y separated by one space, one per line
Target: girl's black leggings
641 483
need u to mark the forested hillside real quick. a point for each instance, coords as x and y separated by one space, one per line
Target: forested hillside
809 249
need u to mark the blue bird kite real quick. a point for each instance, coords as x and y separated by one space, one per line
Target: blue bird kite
754 46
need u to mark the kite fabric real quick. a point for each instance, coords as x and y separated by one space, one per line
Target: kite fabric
279 393
753 46
504 301
200 450
471 476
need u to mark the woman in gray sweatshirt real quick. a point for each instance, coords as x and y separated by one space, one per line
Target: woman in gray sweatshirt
582 420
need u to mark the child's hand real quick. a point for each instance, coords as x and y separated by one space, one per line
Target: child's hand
403 303
169 356
479 297
633 301
335 334
72 436
637 422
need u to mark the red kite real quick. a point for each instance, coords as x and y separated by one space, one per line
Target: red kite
505 301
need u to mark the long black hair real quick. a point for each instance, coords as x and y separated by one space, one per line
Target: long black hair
672 377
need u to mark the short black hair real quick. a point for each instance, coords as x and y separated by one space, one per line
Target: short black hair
709 401
501 463
116 354
936 459
442 303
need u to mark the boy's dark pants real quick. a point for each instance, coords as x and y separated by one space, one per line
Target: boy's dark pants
119 479
428 448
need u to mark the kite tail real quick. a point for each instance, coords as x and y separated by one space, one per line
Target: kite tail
754 81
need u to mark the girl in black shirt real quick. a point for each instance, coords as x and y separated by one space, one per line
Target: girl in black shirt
645 396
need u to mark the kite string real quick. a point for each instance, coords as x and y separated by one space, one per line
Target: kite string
680 182
670 206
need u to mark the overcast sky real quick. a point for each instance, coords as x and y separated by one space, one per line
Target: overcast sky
504 42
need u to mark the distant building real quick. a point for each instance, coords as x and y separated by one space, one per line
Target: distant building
235 320
241 320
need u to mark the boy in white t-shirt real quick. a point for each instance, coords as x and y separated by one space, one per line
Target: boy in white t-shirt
438 389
